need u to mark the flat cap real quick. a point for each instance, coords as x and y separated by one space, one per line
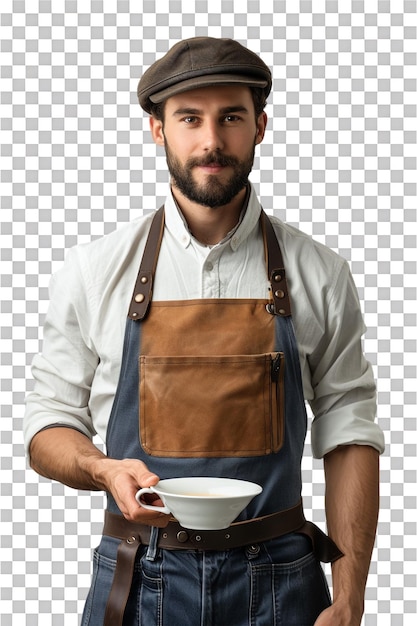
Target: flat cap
202 62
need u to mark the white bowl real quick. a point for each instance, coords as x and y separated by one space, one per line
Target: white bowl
201 502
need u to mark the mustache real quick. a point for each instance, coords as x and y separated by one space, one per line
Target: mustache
212 158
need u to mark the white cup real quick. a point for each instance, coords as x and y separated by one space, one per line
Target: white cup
202 503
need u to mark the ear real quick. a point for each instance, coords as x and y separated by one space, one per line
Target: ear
261 127
157 131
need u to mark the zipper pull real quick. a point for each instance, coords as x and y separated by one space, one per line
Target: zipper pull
275 367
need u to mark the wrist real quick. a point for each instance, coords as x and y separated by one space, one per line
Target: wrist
350 606
100 468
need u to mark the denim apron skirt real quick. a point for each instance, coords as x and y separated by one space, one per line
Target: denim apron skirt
213 388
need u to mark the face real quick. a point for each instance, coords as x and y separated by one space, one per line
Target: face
209 137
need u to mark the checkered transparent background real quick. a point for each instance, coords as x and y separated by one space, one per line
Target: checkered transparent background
339 161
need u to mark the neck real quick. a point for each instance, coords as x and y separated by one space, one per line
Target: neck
209 225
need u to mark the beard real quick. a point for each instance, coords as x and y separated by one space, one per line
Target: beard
213 192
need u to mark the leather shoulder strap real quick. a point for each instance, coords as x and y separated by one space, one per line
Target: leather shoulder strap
142 292
276 270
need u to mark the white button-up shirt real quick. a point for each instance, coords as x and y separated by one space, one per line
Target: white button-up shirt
77 373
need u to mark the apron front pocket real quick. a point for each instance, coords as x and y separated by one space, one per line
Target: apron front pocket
211 406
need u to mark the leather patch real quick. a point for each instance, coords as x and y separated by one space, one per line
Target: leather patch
211 406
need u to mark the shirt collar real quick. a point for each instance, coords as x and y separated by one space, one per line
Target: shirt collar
176 224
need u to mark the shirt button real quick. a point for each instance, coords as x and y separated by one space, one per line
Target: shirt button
209 266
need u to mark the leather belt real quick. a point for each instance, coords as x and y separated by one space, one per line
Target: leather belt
175 537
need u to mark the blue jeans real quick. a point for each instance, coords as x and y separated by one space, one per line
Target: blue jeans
277 583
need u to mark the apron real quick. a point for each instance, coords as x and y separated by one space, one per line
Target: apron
211 387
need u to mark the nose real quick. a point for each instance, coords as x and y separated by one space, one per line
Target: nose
212 137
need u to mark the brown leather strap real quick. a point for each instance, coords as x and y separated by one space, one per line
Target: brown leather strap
324 548
142 292
258 530
122 582
175 537
276 270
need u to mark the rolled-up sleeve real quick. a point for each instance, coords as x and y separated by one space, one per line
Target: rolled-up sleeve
344 402
64 371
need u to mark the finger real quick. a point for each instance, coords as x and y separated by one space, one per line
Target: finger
144 477
144 516
151 499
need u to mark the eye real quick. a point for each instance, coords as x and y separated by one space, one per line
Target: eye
231 118
190 119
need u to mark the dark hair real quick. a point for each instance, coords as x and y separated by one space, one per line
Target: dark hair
157 110
259 100
258 96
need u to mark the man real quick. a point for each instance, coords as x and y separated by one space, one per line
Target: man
234 320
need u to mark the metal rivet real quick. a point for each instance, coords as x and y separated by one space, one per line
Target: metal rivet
227 536
131 540
277 278
182 536
144 279
270 308
280 294
139 297
254 549
197 538
134 314
165 535
282 311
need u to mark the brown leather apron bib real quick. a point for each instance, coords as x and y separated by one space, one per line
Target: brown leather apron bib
202 361
210 398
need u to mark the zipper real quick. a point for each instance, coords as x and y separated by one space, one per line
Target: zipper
275 367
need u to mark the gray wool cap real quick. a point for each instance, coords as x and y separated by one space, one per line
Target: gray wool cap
202 62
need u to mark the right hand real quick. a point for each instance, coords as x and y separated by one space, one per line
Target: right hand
123 479
66 455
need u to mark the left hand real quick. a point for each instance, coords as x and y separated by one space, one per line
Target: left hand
337 615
